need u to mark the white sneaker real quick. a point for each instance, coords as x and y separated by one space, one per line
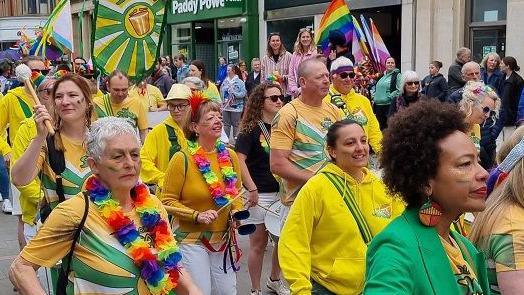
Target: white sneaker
277 287
256 292
7 207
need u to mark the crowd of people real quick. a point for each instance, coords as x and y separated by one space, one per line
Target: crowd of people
283 153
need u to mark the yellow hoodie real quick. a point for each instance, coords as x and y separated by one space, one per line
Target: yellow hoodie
30 194
321 240
358 108
15 106
155 152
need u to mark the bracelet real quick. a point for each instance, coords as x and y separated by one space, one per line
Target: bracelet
253 190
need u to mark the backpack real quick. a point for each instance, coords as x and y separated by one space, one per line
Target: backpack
393 82
56 160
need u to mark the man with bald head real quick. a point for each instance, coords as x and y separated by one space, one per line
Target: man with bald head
470 72
302 122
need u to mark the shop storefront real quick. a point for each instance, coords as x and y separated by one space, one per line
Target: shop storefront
288 17
209 29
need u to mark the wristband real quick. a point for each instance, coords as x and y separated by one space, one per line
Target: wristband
253 190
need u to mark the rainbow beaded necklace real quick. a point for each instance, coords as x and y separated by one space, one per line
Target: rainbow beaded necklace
222 194
159 265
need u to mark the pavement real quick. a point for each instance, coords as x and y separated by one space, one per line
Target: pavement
9 250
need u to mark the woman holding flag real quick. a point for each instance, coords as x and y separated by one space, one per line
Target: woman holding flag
201 190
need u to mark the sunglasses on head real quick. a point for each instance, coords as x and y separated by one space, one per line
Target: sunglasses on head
275 98
345 75
410 83
244 229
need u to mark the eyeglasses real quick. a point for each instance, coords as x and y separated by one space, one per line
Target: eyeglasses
410 83
179 107
345 75
275 98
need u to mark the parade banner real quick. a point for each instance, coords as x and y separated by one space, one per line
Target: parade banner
127 36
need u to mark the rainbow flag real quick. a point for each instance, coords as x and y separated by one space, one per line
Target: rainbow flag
57 33
359 44
381 51
336 17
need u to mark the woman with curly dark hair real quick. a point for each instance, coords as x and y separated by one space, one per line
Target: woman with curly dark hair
431 162
252 147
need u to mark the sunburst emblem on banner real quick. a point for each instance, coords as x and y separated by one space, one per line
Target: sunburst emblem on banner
127 35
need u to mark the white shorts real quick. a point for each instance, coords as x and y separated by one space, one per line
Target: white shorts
257 214
15 195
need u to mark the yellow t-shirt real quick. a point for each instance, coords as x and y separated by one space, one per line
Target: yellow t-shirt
74 176
474 134
131 108
158 150
212 92
15 106
358 108
302 129
505 245
464 273
100 263
185 193
30 194
151 97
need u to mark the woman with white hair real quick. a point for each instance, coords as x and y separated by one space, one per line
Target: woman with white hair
124 241
478 103
409 92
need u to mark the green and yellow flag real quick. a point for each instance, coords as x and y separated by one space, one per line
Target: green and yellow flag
127 35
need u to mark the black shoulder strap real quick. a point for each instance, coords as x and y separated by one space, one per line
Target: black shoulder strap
173 140
393 83
57 162
62 278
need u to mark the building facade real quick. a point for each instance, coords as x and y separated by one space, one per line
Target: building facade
415 31
22 15
209 29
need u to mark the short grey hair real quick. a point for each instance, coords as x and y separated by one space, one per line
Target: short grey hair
463 50
408 76
195 81
469 65
102 130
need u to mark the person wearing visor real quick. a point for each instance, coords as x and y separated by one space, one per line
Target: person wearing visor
354 105
166 138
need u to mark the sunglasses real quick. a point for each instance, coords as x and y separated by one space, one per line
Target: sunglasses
275 98
345 75
486 110
413 83
245 229
179 107
43 72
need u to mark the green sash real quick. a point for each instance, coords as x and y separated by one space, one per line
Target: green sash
25 108
349 199
173 140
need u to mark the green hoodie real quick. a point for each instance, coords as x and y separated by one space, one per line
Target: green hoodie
383 95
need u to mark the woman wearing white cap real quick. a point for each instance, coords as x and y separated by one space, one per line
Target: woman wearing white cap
166 138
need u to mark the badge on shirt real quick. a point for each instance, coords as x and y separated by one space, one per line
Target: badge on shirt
383 212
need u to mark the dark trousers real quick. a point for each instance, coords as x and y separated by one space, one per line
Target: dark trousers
381 112
318 289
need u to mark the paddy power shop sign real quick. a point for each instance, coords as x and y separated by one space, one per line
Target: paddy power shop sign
189 10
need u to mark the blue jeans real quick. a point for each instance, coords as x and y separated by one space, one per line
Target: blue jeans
4 179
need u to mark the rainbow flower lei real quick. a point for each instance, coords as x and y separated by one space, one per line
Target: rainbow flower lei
221 193
158 265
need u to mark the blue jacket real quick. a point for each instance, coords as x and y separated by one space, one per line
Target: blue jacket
520 114
233 92
435 87
496 80
221 74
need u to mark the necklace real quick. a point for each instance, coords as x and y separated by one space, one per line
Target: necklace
158 264
221 193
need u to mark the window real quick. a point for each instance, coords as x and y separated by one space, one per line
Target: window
487 27
181 36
